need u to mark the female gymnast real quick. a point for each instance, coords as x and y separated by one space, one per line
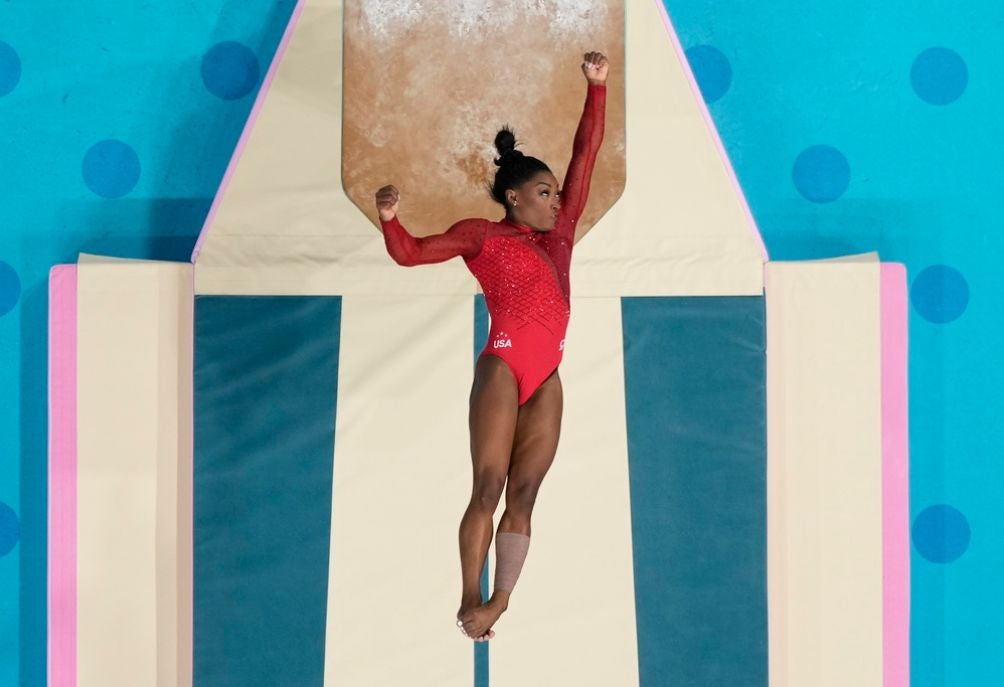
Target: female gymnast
522 265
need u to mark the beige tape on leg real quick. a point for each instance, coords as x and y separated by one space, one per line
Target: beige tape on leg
510 552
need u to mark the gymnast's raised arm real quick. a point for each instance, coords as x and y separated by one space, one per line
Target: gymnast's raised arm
588 137
462 239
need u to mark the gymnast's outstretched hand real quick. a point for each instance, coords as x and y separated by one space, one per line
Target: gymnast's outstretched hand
387 200
595 66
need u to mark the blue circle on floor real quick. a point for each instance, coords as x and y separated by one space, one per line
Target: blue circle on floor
940 294
10 529
230 70
711 69
821 173
10 288
10 68
941 533
939 76
111 168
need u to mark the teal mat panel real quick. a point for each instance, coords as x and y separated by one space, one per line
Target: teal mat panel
696 419
266 379
481 649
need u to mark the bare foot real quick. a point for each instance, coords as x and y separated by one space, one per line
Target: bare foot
466 606
476 622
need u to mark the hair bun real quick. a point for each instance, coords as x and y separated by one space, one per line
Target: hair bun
505 144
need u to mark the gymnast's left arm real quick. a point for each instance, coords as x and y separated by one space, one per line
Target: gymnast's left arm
588 137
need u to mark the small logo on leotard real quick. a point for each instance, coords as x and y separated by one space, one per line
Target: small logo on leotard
561 346
502 341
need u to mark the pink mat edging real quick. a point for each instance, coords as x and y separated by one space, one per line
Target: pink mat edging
248 127
682 56
62 510
895 478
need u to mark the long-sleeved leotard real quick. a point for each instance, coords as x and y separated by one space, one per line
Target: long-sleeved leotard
523 272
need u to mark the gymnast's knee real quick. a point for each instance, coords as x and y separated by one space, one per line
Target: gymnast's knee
487 492
520 498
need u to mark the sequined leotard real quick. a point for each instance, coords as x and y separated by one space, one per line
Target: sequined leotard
523 272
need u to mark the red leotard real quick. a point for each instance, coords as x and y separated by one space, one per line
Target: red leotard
523 272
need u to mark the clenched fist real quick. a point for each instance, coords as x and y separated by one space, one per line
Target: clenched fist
595 66
387 200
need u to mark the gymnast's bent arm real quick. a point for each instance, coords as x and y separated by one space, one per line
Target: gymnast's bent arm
462 239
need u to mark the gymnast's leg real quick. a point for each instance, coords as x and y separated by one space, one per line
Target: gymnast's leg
493 411
538 426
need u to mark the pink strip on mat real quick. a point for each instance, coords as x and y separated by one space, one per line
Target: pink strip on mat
248 126
682 56
62 528
895 479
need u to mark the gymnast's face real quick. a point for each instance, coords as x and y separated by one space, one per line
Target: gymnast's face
536 201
